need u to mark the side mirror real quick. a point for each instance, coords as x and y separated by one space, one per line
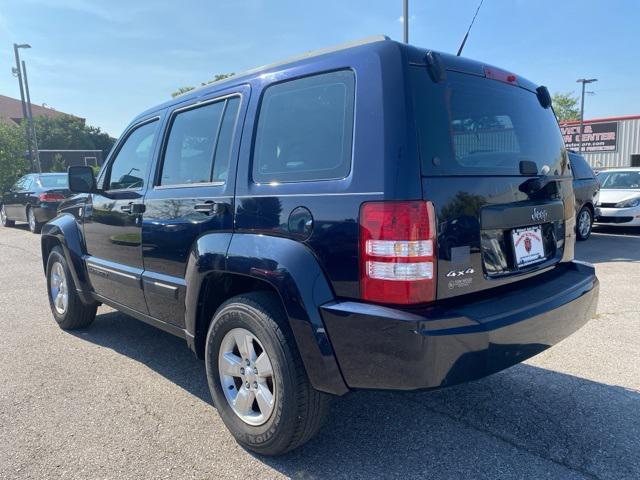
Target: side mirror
81 179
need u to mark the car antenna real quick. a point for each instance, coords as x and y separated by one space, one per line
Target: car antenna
466 35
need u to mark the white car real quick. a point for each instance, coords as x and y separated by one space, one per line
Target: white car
619 202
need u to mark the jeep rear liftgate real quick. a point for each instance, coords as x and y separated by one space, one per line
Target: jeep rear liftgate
495 168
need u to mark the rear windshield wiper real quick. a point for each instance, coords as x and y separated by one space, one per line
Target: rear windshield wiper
537 183
533 185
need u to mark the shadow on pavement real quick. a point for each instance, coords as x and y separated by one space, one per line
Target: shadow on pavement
522 420
22 226
610 245
166 354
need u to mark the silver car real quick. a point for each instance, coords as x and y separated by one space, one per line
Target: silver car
619 202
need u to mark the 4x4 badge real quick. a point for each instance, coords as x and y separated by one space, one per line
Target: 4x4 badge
461 273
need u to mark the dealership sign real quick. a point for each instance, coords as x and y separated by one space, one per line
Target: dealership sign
596 137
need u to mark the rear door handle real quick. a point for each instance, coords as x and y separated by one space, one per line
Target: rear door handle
133 208
207 207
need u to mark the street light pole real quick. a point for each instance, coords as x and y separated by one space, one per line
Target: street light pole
583 81
30 118
405 21
17 71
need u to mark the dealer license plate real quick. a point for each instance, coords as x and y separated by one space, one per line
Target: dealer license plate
528 245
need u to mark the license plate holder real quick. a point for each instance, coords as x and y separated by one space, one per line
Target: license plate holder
528 245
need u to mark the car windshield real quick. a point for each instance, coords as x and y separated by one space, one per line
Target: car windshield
620 180
54 181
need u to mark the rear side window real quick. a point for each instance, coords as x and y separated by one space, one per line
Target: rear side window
305 129
223 147
22 184
581 169
199 144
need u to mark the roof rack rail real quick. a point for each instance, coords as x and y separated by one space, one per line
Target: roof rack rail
296 58
321 51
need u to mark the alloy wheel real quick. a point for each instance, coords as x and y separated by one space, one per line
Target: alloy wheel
246 376
58 288
584 223
32 219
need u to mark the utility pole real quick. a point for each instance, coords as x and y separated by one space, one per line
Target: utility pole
583 81
405 21
17 72
30 114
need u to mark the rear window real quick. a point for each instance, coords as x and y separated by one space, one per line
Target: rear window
470 125
304 129
54 181
580 167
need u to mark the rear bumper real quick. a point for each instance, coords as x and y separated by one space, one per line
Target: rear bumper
386 348
45 211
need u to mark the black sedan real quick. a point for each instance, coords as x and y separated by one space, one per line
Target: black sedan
34 199
586 188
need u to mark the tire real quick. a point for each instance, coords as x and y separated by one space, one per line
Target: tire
4 219
71 313
584 223
297 411
34 225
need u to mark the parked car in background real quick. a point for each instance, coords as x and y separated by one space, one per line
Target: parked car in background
585 188
308 234
34 199
619 202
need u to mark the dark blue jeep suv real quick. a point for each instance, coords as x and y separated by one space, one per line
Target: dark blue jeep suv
375 216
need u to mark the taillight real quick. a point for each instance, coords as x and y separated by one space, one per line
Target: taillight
397 252
51 197
500 75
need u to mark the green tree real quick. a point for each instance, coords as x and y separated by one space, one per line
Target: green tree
13 162
216 78
566 107
220 76
181 90
65 132
58 165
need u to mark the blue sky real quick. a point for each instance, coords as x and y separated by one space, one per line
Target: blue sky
109 60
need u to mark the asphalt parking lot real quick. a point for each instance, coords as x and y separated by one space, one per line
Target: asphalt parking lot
124 400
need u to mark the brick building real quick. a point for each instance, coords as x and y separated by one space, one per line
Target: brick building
11 113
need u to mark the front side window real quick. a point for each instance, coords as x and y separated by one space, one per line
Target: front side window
305 129
128 170
198 146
